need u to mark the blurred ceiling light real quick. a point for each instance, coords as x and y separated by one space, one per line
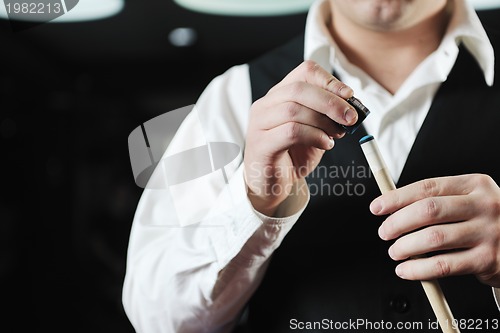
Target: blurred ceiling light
61 11
247 7
183 37
485 4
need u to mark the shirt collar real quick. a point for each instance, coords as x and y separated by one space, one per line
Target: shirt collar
464 27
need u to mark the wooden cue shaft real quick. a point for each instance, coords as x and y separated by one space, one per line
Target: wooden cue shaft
385 183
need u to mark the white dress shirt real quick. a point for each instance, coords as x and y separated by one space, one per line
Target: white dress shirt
184 235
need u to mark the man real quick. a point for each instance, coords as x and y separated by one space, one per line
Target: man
425 69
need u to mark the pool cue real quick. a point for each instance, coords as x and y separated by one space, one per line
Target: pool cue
385 183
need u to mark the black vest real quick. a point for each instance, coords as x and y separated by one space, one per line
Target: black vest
332 267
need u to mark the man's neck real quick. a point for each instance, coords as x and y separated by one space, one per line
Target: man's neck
389 57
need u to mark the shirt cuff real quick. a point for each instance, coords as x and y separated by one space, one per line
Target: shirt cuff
270 234
258 234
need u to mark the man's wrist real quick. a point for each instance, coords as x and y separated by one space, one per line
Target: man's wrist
262 205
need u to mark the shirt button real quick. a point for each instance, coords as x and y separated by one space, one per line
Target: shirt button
400 304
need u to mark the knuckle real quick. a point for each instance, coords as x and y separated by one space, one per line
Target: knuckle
430 209
429 187
482 180
310 66
488 256
495 208
335 85
435 238
491 206
487 260
442 267
291 111
292 131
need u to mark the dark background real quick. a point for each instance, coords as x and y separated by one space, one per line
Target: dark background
70 94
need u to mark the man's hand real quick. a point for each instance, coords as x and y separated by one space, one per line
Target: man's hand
457 217
289 130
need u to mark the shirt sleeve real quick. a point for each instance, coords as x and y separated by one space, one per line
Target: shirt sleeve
197 248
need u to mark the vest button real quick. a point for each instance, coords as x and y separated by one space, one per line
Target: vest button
400 304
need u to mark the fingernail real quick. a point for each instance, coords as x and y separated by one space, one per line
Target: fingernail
350 116
391 252
376 207
381 233
400 272
332 142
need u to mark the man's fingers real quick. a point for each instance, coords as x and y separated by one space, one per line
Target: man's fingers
320 100
292 112
314 74
434 187
435 238
425 212
447 264
283 137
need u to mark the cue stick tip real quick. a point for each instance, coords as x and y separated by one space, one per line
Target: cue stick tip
366 138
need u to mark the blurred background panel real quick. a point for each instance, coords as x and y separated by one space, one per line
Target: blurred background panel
70 94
